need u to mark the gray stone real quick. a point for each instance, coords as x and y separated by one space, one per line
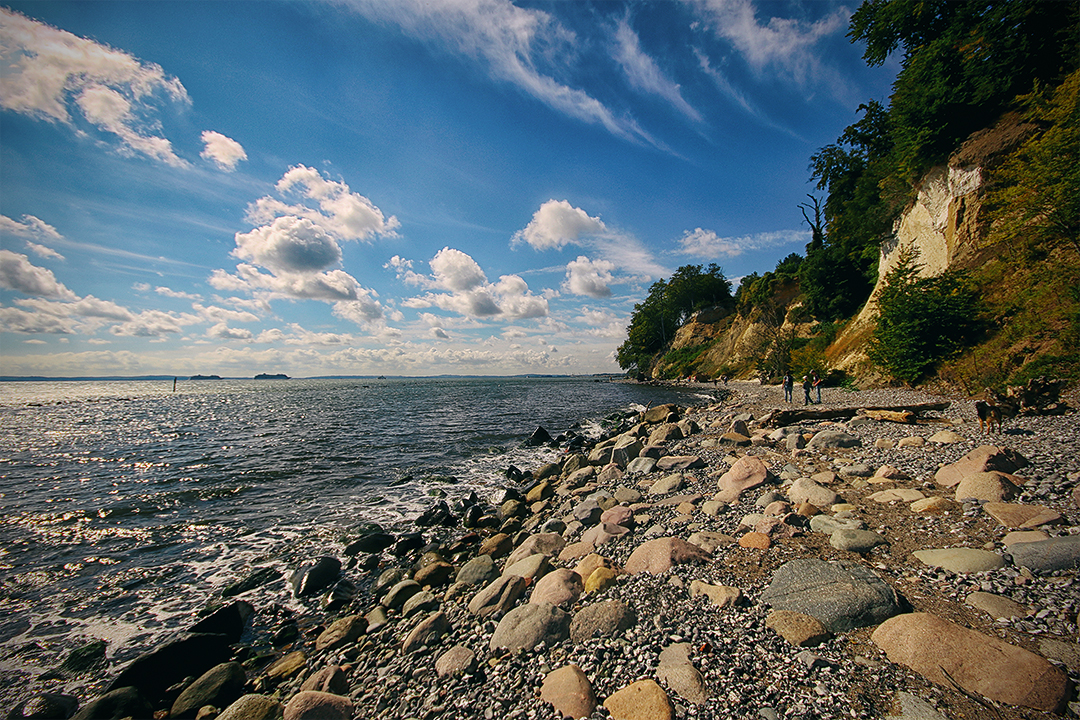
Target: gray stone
428 632
531 568
524 627
478 571
401 592
458 660
841 595
641 464
961 560
829 524
912 707
423 601
806 490
996 606
1060 553
833 439
609 618
218 686
499 596
678 673
859 541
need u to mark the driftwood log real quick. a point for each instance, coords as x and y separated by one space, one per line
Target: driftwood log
892 413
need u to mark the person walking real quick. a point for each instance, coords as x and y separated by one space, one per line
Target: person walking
817 384
789 384
806 385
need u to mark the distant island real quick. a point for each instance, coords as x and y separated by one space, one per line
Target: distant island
268 376
205 377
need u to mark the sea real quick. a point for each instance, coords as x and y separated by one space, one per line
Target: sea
128 505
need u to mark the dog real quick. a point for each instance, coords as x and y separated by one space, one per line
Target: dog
989 415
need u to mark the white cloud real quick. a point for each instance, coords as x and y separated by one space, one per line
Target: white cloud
19 274
342 213
643 72
154 324
49 73
708 245
18 320
34 231
363 311
512 41
43 252
783 43
221 150
289 245
456 271
558 223
332 286
169 292
221 331
589 277
212 313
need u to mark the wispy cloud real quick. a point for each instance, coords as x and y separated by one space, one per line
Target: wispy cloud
707 245
644 74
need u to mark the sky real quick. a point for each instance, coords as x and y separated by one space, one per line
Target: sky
395 187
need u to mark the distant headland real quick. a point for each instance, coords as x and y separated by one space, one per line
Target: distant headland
268 376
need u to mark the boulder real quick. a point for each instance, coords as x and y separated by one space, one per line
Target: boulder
331 679
218 686
981 459
531 568
841 595
660 555
944 652
661 413
478 571
524 627
561 587
747 472
253 707
961 560
642 700
990 486
806 490
609 618
399 593
119 703
831 439
458 660
1060 553
550 544
287 666
496 546
190 654
427 632
311 705
373 542
436 574
423 601
229 620
45 706
665 433
569 692
540 436
340 633
317 576
499 596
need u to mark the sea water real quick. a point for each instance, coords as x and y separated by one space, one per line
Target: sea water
128 506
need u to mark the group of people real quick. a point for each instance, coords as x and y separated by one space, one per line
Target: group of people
809 382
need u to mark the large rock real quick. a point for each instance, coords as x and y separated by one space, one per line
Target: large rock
661 413
678 673
253 707
45 706
642 700
665 433
961 560
986 487
373 542
806 490
458 660
478 571
341 633
312 705
218 686
499 596
679 462
524 627
119 703
550 544
531 568
427 632
228 620
609 618
561 587
829 439
981 459
747 472
660 555
944 652
190 654
841 595
317 576
569 691
1018 515
331 679
1060 553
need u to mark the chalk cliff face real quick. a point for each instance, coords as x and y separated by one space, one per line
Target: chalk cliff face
941 224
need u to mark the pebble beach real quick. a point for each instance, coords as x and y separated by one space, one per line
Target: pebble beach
692 562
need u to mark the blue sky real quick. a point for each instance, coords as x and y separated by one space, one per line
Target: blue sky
404 187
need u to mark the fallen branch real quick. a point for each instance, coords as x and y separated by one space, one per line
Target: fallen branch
778 418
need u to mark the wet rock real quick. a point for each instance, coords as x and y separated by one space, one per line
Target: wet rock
311 705
1060 553
400 593
287 666
427 632
45 706
316 577
569 692
257 578
961 560
407 543
119 703
841 595
218 686
524 627
939 650
642 700
660 555
540 436
190 654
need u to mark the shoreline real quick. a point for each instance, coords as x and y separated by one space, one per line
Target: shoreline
743 667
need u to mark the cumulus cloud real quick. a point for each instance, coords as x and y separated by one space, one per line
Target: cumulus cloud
221 150
331 286
643 72
169 292
456 271
558 223
343 214
51 74
289 245
708 245
513 42
221 331
154 324
363 311
19 274
589 277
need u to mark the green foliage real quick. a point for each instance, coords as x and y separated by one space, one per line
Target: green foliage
922 321
682 362
668 305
